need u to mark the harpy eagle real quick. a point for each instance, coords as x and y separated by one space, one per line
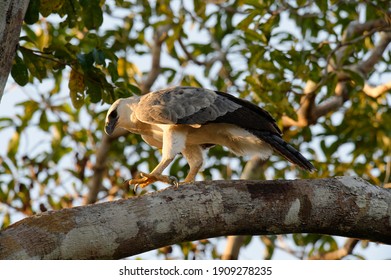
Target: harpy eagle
188 120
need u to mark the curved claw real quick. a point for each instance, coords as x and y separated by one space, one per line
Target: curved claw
174 181
135 188
147 179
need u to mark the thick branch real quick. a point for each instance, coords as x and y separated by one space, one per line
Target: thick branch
11 18
344 206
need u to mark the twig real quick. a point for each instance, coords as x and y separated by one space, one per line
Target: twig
305 112
346 250
375 92
159 37
377 53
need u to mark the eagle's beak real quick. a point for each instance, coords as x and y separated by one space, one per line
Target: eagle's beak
110 126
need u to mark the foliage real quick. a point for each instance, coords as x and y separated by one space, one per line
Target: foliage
264 51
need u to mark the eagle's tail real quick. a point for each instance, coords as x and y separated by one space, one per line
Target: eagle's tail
284 149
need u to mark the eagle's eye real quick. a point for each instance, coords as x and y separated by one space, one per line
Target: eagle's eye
113 114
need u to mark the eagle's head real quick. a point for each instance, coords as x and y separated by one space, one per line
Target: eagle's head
119 114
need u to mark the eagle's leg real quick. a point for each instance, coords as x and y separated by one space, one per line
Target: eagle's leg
173 143
195 158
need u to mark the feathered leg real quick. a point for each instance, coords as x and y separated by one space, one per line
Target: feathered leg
194 156
173 144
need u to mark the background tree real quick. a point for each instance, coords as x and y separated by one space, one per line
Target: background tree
319 67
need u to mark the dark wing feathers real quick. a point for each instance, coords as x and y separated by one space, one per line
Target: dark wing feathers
248 116
251 107
229 109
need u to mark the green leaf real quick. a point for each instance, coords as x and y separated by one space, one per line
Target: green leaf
86 60
19 71
301 2
255 3
13 145
94 90
49 6
29 109
98 56
199 8
43 121
177 31
5 122
35 64
32 13
120 92
245 23
113 71
323 5
76 86
134 89
6 219
96 85
356 77
92 13
255 36
77 99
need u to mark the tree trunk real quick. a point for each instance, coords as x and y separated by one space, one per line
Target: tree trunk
344 206
11 18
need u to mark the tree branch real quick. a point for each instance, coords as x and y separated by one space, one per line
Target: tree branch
376 91
11 18
355 32
305 112
367 65
347 249
309 112
158 39
344 206
95 183
333 103
233 246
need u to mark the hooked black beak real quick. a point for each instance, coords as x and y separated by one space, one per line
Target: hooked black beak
111 125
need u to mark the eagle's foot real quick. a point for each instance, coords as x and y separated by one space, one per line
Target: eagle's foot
173 181
147 179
